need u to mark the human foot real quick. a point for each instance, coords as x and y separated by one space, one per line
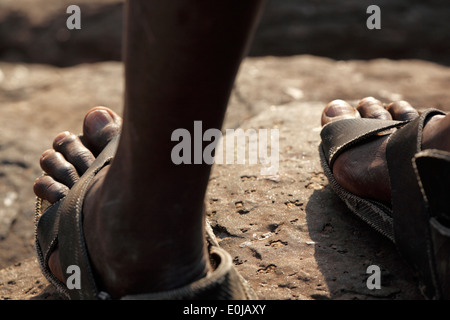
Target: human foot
363 169
406 165
123 252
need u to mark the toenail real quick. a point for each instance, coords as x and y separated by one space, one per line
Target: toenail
48 154
97 120
61 137
338 107
369 100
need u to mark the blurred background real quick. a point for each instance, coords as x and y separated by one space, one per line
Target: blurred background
34 30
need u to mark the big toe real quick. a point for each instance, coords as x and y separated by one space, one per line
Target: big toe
99 127
338 110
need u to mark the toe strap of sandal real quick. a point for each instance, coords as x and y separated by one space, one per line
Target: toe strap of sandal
46 238
341 135
62 225
433 169
413 222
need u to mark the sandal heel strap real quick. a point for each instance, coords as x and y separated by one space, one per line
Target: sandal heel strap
440 236
410 213
433 168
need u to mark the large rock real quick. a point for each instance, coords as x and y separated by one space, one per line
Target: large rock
288 233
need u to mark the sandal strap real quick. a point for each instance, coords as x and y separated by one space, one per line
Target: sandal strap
433 169
65 217
46 238
343 134
73 249
410 215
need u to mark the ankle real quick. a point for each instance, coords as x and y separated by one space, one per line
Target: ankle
122 274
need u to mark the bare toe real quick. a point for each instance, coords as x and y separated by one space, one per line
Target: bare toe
56 166
372 108
47 188
338 110
402 111
74 151
100 126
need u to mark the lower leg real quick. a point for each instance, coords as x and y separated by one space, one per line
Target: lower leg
180 62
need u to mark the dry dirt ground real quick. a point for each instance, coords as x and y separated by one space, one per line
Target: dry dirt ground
288 234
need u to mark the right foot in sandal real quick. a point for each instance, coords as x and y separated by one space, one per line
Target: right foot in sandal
136 244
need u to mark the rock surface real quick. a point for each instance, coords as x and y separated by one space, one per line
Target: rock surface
288 234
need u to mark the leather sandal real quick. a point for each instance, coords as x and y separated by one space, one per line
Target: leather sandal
61 224
418 218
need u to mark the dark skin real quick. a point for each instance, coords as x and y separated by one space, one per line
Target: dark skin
143 215
363 169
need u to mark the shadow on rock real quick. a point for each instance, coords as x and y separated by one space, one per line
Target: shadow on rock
345 248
